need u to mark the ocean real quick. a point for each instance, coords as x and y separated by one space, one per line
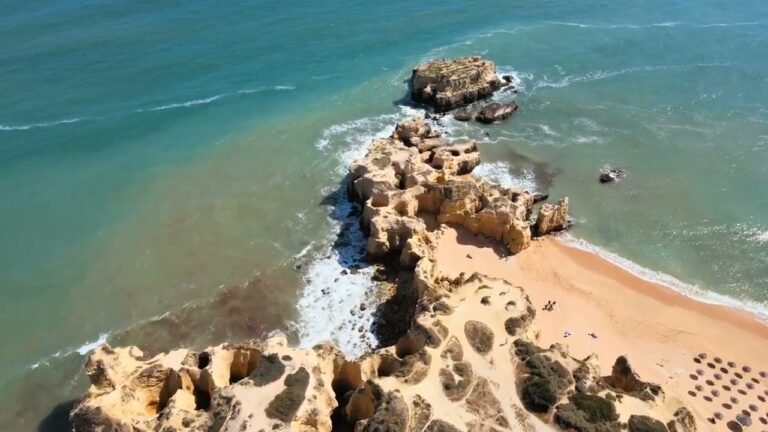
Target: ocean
172 173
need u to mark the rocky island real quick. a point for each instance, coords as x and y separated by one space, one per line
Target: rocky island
466 344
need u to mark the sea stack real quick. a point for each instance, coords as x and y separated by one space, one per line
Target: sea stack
449 84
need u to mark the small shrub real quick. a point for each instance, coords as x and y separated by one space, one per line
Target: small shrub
641 423
538 395
595 408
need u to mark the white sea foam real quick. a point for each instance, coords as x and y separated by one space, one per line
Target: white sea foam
89 346
81 350
304 251
40 125
600 75
205 101
689 290
651 25
185 104
499 172
335 285
267 88
337 281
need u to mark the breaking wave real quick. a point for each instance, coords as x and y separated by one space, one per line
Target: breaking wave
185 104
40 125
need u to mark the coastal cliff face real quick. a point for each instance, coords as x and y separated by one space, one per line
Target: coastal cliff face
449 84
415 179
468 361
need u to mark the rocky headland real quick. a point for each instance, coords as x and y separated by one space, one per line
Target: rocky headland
464 354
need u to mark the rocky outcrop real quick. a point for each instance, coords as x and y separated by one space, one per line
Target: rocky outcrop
552 218
231 387
449 84
683 421
610 175
466 358
495 112
414 179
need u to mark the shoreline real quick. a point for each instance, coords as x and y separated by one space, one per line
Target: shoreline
484 323
661 330
734 315
667 281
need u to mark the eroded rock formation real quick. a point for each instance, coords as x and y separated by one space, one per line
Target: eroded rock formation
415 179
496 112
451 84
231 387
468 361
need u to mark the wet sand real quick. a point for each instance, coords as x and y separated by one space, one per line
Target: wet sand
661 331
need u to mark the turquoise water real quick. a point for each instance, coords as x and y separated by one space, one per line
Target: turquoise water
167 170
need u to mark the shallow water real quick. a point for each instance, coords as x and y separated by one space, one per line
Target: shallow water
154 156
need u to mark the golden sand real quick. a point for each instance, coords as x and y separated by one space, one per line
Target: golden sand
660 330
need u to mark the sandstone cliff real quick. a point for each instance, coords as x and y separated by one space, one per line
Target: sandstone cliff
451 84
469 360
414 179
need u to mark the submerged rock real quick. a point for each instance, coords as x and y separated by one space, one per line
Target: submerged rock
496 112
463 114
609 175
449 84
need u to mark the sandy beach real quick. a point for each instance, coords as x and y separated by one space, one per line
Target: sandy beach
661 331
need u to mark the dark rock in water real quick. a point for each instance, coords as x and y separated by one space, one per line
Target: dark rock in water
462 114
608 175
496 112
539 197
380 275
507 78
